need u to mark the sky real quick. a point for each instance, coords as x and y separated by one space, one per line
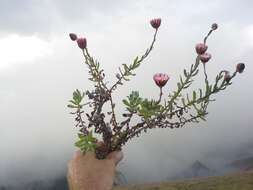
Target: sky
40 67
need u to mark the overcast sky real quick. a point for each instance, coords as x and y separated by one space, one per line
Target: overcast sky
40 67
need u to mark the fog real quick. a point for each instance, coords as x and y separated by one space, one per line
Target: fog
40 67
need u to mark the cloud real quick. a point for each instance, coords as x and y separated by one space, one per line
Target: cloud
46 17
19 50
248 32
44 67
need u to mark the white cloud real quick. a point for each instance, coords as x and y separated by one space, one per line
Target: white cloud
248 31
41 75
16 49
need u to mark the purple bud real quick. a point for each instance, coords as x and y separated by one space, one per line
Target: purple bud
81 42
155 23
161 79
205 57
201 48
118 76
227 77
240 67
214 26
73 36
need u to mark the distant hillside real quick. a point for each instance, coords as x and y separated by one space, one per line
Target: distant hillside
56 184
243 164
196 169
195 177
238 181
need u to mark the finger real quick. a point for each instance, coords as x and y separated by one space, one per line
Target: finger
116 156
69 179
78 154
90 154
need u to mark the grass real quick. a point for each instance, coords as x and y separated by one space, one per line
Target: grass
238 181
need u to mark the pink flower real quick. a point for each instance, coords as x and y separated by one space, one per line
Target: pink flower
240 67
227 76
155 23
205 57
161 79
201 48
81 42
73 36
214 26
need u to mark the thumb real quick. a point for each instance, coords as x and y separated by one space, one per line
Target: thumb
116 156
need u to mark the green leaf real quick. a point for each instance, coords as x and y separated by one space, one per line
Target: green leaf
77 97
136 60
202 117
126 102
86 142
73 102
126 79
185 73
195 73
194 95
186 86
200 93
149 108
178 85
81 136
136 64
188 99
72 106
125 68
181 80
210 88
207 88
183 101
133 101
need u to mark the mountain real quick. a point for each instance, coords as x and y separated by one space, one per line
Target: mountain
243 164
238 181
56 184
195 170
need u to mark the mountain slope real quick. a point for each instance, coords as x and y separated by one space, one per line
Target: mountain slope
197 169
238 181
243 164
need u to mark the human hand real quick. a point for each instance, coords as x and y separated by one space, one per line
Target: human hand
85 172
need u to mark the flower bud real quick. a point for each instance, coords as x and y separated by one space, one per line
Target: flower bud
205 57
73 36
201 48
214 26
81 42
227 77
161 79
240 67
155 23
118 76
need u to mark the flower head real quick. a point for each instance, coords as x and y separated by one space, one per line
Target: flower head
214 26
201 48
227 76
205 57
73 36
81 42
161 79
240 67
155 23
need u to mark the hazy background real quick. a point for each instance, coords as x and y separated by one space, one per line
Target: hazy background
40 67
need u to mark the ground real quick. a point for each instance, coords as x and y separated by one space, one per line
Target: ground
236 181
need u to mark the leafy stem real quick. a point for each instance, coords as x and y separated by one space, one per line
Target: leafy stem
183 84
128 69
98 75
141 114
